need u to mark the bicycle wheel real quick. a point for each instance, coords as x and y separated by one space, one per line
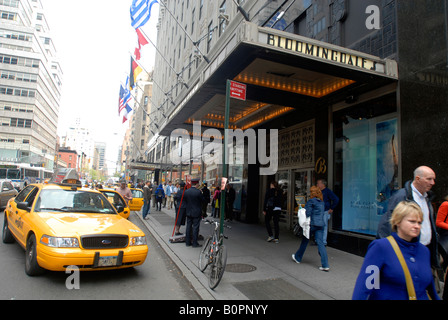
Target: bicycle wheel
218 267
204 255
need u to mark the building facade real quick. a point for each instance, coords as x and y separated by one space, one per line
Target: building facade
352 91
30 85
69 157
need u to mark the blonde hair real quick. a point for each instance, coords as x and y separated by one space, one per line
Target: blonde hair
316 193
403 209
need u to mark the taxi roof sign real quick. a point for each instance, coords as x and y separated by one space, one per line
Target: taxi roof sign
67 176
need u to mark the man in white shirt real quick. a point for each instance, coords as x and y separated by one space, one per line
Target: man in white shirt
418 190
424 179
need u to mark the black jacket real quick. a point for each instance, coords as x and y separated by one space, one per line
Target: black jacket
405 194
193 199
272 199
178 198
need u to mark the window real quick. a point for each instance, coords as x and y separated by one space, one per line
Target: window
222 21
366 164
8 15
200 8
210 35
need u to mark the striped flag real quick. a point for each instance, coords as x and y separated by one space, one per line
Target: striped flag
141 12
125 97
135 71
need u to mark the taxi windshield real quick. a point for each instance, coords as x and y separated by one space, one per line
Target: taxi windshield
61 200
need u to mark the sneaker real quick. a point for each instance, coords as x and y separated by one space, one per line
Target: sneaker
275 240
324 269
270 239
294 258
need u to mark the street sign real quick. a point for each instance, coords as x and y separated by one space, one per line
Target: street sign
238 90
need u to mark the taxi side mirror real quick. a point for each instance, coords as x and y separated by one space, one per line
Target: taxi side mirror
119 208
23 206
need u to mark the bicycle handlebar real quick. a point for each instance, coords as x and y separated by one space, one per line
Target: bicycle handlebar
208 221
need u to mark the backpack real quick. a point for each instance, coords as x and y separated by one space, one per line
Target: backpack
159 193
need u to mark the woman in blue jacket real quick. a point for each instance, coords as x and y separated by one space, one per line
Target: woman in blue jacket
315 208
382 276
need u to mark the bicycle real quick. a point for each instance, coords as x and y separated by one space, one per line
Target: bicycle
214 253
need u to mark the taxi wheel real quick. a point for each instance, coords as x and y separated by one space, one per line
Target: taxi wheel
32 268
7 236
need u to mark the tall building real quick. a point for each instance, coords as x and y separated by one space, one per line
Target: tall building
30 85
99 159
79 138
139 133
354 92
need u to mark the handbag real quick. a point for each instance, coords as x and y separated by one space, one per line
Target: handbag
407 274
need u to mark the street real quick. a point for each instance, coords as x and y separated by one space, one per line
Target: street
158 278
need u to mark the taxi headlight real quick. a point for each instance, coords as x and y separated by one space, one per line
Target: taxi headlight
137 241
57 242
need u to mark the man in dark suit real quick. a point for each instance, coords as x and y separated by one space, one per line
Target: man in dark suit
193 199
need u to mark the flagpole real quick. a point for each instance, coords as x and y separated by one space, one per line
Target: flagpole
185 31
164 58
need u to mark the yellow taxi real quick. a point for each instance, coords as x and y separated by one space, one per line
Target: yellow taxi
136 203
61 224
117 201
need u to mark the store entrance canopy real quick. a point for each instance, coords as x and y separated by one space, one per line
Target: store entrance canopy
282 72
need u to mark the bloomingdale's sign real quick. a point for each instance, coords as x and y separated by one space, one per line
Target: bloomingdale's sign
315 50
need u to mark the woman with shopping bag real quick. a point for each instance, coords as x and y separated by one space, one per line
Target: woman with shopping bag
314 209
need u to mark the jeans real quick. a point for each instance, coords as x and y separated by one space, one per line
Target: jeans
146 208
318 235
326 219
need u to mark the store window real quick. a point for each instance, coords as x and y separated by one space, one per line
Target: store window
366 164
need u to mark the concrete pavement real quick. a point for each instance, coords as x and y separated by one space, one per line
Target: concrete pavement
257 269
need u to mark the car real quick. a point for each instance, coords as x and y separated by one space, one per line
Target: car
136 203
61 225
117 200
7 191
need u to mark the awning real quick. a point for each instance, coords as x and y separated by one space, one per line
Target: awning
282 72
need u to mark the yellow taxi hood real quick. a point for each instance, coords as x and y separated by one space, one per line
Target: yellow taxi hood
78 224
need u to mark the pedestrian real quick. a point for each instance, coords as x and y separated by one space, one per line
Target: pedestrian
330 200
442 230
147 190
124 191
153 194
230 198
315 210
419 191
193 199
382 275
271 210
215 203
174 192
181 212
164 191
206 194
169 195
160 195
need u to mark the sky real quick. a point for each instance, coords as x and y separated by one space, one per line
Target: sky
94 40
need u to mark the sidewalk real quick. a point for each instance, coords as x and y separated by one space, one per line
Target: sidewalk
257 269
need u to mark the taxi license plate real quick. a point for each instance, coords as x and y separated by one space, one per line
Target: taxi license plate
107 261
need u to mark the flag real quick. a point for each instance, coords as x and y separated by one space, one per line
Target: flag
135 71
141 42
125 97
141 12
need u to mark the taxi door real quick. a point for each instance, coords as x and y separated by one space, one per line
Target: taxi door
136 203
116 199
18 217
